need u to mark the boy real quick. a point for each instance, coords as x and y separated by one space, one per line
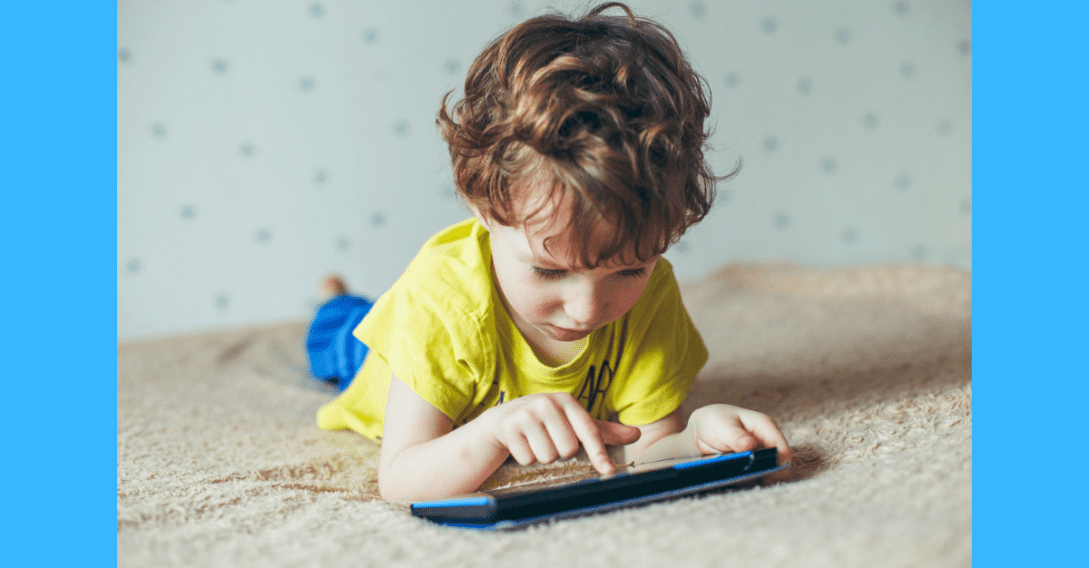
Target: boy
549 319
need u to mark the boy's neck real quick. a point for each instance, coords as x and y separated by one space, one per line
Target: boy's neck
556 353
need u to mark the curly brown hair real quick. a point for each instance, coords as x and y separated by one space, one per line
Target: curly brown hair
607 110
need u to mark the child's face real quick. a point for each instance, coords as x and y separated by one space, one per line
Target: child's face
547 295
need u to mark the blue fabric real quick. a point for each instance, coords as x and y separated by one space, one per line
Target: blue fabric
334 353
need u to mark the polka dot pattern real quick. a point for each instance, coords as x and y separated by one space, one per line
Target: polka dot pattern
805 85
220 66
254 160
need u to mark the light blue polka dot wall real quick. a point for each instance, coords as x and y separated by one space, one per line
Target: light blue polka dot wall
262 145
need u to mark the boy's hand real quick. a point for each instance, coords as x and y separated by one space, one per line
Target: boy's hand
545 427
726 428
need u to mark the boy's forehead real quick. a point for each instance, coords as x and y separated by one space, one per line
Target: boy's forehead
548 236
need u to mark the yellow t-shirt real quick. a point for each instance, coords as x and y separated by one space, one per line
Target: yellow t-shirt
443 330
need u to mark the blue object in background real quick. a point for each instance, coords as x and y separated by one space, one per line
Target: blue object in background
335 354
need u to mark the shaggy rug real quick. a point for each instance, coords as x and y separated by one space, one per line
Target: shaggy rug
867 370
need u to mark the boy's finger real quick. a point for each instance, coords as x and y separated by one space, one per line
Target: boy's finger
562 436
725 438
519 449
768 434
616 434
586 428
541 443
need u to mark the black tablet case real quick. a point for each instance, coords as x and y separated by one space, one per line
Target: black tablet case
521 505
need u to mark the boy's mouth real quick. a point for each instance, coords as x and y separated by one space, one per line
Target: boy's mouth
565 334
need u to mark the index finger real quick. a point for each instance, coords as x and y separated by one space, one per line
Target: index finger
586 430
764 429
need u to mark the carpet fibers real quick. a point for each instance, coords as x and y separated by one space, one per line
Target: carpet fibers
867 370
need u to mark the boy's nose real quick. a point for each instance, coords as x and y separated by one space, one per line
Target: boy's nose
585 308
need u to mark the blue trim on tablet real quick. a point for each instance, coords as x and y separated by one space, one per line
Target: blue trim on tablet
470 501
724 457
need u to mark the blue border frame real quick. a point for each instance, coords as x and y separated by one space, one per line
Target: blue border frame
59 230
1029 286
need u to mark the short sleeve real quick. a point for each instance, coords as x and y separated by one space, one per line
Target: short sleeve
662 353
430 344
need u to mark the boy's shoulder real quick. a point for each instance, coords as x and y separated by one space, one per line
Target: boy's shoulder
454 266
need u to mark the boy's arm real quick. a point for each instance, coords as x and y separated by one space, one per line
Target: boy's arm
424 457
712 428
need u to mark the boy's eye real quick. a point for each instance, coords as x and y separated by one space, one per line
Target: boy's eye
633 273
548 273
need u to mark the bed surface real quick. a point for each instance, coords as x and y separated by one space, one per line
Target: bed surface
866 369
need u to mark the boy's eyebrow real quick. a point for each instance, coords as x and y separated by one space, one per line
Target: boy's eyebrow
550 265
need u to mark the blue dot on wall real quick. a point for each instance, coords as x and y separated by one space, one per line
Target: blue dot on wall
901 8
158 130
517 9
320 176
263 236
843 35
771 143
343 243
124 55
370 36
133 265
453 65
306 83
220 66
829 165
782 221
246 149
682 246
188 212
378 219
769 25
907 69
965 47
919 253
448 192
805 85
849 236
870 120
902 182
317 10
732 79
222 302
698 9
945 127
401 127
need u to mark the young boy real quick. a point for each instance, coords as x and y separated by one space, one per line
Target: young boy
549 319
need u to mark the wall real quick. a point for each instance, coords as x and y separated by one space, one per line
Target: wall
264 143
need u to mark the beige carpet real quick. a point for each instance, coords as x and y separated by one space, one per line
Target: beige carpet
867 371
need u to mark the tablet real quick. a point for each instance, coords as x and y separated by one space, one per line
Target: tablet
521 505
